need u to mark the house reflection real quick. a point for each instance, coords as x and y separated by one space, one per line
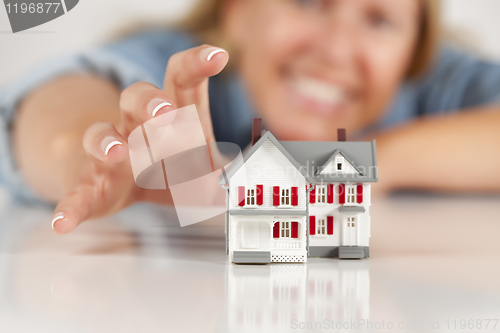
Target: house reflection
278 297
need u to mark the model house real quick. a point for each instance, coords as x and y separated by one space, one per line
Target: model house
289 200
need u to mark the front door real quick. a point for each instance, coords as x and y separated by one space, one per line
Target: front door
350 231
250 235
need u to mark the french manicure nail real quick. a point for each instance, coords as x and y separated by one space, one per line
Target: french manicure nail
57 217
208 53
155 105
108 143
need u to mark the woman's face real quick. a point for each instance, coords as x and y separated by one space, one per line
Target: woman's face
313 66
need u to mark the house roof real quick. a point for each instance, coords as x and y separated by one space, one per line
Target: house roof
310 157
332 157
231 170
314 155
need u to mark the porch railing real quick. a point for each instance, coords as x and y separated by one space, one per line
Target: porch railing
279 245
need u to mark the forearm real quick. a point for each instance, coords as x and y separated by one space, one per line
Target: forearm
458 152
49 127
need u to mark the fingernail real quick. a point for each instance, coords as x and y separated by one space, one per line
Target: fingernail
108 143
155 105
57 217
208 53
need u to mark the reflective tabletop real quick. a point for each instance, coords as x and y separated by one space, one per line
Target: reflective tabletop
434 266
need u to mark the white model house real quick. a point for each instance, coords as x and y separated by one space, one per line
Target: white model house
289 200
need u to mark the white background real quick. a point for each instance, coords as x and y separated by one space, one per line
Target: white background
96 21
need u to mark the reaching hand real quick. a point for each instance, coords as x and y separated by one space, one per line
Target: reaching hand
106 184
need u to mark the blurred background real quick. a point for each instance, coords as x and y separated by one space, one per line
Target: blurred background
472 23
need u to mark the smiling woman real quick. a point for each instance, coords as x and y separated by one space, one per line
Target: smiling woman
314 65
307 67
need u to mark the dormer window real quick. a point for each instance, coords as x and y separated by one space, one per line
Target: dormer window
339 161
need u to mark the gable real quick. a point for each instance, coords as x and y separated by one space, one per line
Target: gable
338 164
268 163
275 152
316 155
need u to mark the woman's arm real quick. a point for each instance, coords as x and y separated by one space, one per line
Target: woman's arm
49 128
451 153
70 136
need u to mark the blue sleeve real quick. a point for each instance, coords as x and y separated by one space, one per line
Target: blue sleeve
142 57
459 81
456 81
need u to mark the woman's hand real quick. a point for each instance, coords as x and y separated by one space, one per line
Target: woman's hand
104 184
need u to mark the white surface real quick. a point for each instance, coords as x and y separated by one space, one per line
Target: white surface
138 272
96 21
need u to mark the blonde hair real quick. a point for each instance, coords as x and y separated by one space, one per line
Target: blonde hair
205 22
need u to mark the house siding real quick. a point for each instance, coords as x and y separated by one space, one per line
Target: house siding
268 167
322 210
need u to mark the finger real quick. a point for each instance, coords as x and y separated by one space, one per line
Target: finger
189 68
73 209
143 101
103 142
187 79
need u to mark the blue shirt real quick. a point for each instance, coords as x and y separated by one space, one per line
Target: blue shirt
457 81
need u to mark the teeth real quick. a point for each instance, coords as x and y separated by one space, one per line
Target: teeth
318 90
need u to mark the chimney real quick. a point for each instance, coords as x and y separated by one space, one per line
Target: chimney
341 134
256 130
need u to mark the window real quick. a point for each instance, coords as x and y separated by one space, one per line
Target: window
351 194
339 160
251 197
285 229
351 222
285 197
321 194
321 225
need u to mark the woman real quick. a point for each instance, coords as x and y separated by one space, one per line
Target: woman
306 67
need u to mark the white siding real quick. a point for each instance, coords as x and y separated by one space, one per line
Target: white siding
321 210
268 167
331 168
266 240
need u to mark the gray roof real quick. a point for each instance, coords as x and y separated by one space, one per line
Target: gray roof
352 209
231 170
315 155
330 159
310 157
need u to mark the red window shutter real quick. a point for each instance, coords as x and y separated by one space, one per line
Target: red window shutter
295 196
359 193
260 195
241 195
342 194
329 193
276 230
312 196
295 229
312 225
276 195
329 225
